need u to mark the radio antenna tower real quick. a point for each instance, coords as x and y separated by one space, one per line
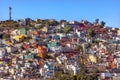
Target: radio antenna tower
10 12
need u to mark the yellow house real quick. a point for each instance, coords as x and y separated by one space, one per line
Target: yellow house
19 38
1 62
92 58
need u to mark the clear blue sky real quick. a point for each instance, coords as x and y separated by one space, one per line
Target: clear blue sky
106 10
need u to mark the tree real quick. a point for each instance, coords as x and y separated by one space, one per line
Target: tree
6 36
53 23
74 77
90 34
83 75
66 29
45 22
102 24
60 76
96 21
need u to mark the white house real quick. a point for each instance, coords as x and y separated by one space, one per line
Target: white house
61 59
47 70
118 32
11 49
2 52
74 67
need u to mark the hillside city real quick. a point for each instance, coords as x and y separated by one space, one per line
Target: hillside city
59 50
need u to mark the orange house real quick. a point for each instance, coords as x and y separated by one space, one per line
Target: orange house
112 65
8 42
42 50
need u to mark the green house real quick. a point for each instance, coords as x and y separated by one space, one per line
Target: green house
23 31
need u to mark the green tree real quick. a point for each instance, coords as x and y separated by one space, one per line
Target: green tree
6 36
102 24
90 34
45 22
74 77
96 21
67 29
84 75
53 23
60 76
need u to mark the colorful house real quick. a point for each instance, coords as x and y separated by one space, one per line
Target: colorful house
18 38
23 31
42 50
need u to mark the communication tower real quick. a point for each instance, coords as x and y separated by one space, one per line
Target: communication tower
10 12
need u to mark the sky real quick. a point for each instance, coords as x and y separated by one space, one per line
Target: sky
104 10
